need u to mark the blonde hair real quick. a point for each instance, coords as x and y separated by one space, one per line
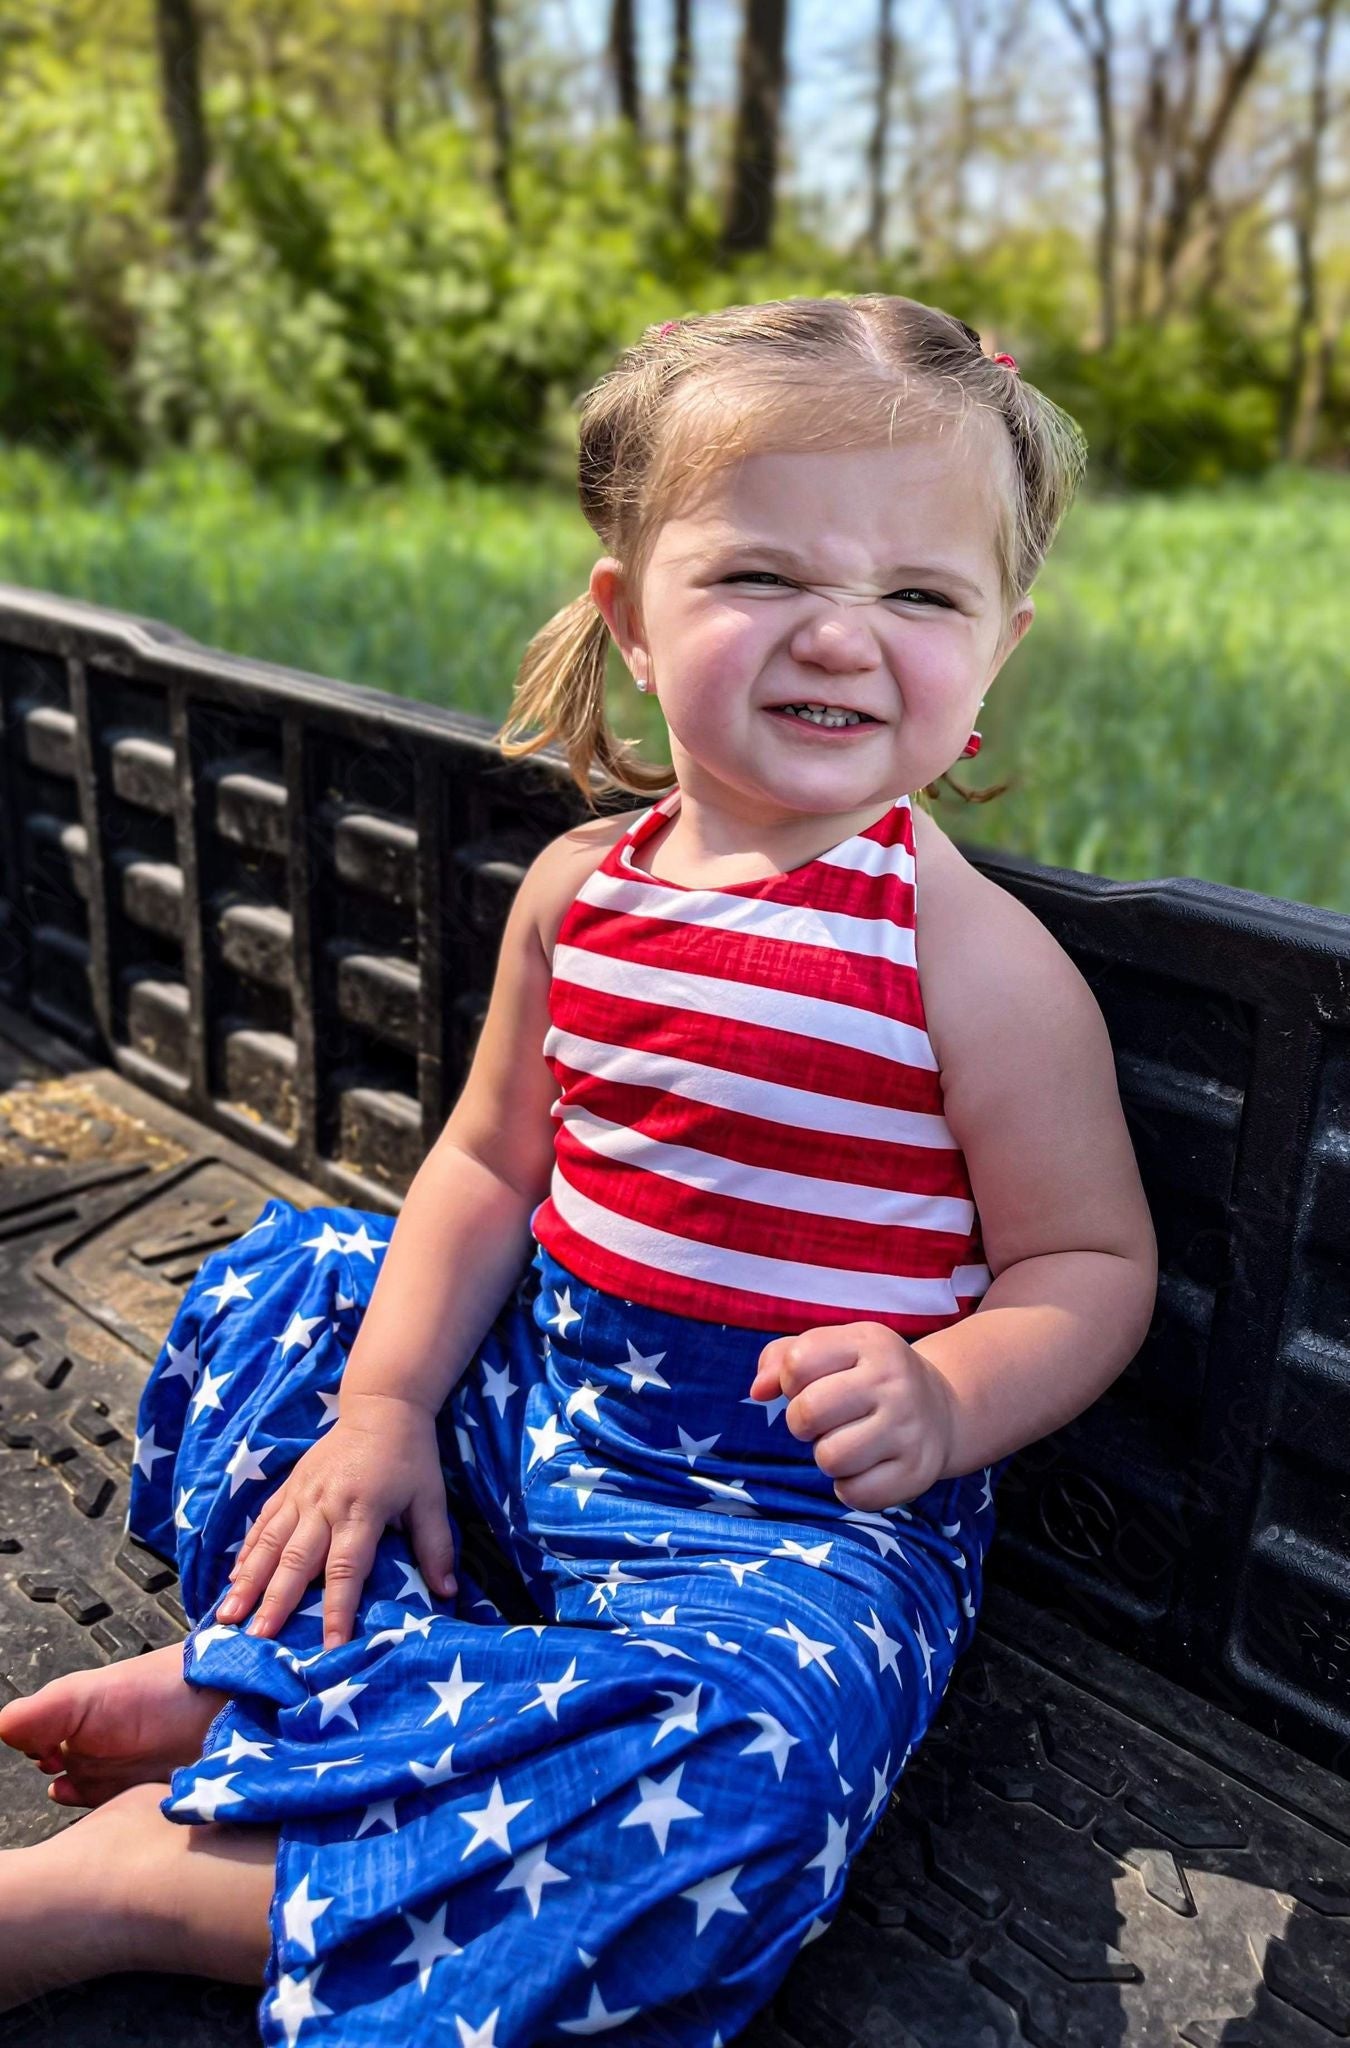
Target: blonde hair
697 394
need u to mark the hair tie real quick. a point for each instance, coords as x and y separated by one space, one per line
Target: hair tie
665 329
1007 360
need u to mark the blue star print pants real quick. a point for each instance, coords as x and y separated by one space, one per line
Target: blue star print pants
626 1821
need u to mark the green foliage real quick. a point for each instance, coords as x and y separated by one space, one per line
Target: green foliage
1176 709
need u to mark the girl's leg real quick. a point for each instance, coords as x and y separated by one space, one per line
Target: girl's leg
124 1888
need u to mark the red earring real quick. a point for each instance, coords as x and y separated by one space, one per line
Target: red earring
972 746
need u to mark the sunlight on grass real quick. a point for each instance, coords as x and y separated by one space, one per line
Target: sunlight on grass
1175 710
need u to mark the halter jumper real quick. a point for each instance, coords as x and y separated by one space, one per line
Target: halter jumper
629 1819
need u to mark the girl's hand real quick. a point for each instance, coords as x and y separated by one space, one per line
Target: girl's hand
878 1414
379 1464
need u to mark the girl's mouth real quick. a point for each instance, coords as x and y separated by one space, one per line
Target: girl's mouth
829 726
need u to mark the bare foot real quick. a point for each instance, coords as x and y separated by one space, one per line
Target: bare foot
129 1723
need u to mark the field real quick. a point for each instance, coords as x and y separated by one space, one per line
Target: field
1178 708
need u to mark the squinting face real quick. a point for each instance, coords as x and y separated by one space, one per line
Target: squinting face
863 578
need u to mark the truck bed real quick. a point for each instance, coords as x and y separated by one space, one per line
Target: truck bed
248 925
1080 1853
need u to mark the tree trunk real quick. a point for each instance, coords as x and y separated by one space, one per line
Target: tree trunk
178 35
762 67
681 77
488 80
1098 50
1303 391
876 151
623 59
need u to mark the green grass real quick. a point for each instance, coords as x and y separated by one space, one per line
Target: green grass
1177 708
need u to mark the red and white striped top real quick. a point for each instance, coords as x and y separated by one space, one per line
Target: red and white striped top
750 1127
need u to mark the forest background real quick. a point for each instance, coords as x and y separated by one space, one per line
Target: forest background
297 297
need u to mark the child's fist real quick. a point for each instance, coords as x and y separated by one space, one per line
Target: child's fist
878 1415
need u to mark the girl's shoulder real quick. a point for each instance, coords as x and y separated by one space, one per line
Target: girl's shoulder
983 957
564 865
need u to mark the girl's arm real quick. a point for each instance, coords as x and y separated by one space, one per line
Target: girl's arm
1031 1096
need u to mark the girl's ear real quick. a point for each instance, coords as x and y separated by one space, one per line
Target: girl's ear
1017 628
620 615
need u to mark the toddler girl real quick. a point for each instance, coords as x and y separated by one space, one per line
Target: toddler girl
742 1266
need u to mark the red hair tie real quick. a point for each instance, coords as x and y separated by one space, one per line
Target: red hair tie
665 330
1006 359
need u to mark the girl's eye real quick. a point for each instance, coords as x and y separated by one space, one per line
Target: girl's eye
749 576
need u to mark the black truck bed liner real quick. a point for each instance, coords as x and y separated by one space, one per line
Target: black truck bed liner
1130 1821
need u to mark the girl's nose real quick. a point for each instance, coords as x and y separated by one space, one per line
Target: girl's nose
836 642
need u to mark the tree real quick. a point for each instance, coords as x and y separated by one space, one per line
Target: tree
761 81
874 233
1098 47
488 80
624 60
1310 350
681 76
178 39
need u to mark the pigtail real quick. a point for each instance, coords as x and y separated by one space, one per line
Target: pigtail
560 689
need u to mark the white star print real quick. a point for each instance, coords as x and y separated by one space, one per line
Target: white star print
297 1332
547 1441
666 1619
382 1810
773 1740
986 1499
551 1690
887 1647
452 1693
180 1520
577 1476
336 1701
879 1778
596 2017
207 1796
813 1554
652 1542
660 1805
327 1242
530 1872
234 1287
844 1785
720 1642
715 1895
730 1492
478 2037
208 1392
927 1649
565 1312
632 1642
692 1447
739 1566
879 1529
642 1370
330 1763
429 1943
300 1912
239 1747
183 1362
246 1464
773 1409
491 1823
498 1385
681 1713
219 1631
808 1651
439 1773
584 1400
411 1625
361 1244
146 1451
831 1858
950 1528
294 2002
413 1582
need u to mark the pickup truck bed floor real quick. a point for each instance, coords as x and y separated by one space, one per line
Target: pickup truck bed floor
1081 1854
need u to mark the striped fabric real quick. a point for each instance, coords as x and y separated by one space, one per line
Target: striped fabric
750 1124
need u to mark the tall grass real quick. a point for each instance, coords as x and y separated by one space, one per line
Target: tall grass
1178 707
